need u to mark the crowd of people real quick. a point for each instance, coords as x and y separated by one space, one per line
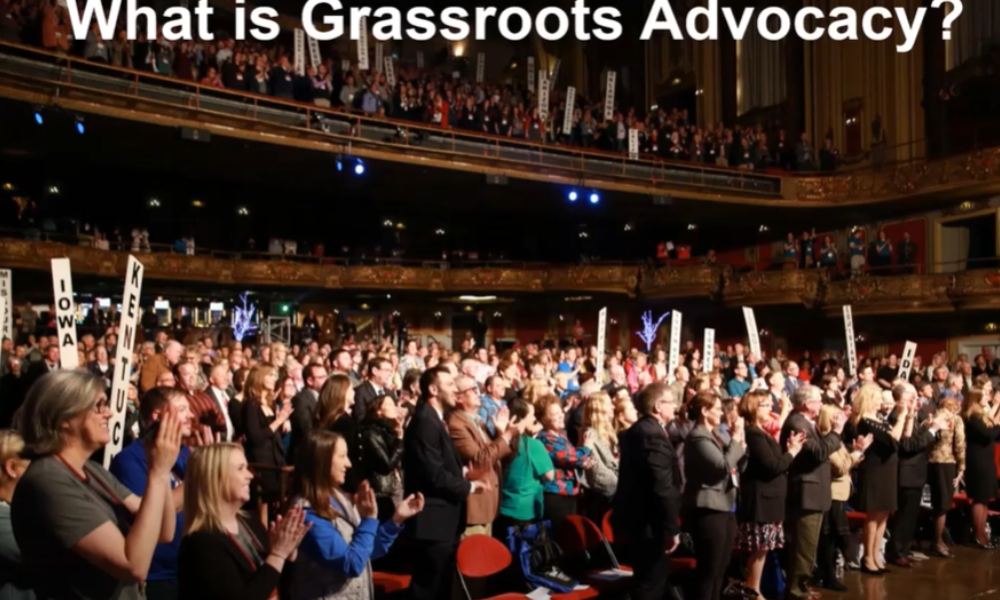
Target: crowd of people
254 469
430 95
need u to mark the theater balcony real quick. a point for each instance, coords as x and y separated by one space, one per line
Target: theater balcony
783 287
39 78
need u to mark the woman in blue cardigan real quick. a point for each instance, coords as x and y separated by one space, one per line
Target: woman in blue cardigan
345 535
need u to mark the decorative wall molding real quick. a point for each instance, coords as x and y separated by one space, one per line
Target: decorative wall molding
764 288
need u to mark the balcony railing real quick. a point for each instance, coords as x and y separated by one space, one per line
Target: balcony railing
357 130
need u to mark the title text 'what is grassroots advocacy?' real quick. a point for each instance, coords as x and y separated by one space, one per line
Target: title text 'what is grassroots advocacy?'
515 23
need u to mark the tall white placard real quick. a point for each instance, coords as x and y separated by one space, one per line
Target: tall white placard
62 289
379 55
609 96
123 357
633 144
363 45
675 344
300 52
852 351
752 332
390 72
420 59
531 74
6 291
567 127
543 95
708 352
314 56
555 72
906 364
602 323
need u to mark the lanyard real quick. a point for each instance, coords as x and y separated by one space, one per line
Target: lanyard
83 478
257 546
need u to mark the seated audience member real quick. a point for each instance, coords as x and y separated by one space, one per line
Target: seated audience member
71 516
224 556
344 533
130 466
13 583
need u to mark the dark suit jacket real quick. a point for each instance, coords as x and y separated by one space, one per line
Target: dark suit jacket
764 485
303 407
262 445
35 372
648 499
809 476
431 466
363 395
912 452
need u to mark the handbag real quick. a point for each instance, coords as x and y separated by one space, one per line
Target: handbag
537 556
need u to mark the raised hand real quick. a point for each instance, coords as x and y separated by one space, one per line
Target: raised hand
502 420
409 507
287 532
364 501
839 422
163 452
285 412
475 471
861 443
942 422
203 436
795 442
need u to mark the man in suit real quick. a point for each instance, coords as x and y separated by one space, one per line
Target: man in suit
809 491
100 366
304 405
648 499
45 366
433 467
219 379
379 376
792 381
913 463
476 448
479 329
204 410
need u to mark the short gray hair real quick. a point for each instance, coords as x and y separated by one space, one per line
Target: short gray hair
900 389
804 394
54 399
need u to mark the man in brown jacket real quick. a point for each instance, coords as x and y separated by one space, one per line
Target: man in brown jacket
159 363
482 454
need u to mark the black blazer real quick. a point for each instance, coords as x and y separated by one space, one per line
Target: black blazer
431 466
764 485
647 501
303 407
262 445
809 476
211 567
363 395
381 456
912 453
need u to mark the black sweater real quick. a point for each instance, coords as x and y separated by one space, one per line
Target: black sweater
212 567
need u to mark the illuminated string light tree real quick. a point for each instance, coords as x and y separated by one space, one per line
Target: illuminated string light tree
649 328
243 319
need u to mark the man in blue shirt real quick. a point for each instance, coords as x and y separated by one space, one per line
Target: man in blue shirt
132 469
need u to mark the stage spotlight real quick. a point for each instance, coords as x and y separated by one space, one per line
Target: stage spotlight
359 168
594 197
573 196
79 126
340 163
38 117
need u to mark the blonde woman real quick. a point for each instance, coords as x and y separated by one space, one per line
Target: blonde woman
345 534
877 487
69 514
981 433
625 412
835 530
224 555
13 585
262 427
946 459
598 434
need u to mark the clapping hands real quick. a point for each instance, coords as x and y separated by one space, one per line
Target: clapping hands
408 507
364 501
861 443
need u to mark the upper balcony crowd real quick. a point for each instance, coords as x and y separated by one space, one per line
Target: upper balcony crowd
432 95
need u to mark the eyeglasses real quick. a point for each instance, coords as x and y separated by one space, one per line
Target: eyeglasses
466 391
101 405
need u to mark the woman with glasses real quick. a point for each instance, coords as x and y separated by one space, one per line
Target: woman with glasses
82 534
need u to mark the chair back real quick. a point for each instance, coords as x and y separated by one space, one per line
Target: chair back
482 556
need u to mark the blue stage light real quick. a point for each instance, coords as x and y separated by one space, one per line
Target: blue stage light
38 118
573 196
594 197
359 168
79 126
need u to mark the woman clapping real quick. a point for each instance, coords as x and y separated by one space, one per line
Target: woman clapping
345 534
225 556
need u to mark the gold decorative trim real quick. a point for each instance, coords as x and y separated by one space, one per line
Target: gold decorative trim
896 294
763 288
682 282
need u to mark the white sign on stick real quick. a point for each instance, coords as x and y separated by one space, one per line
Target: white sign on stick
752 332
609 96
633 144
543 95
708 353
379 55
390 72
567 128
314 56
363 44
531 74
675 344
6 298
852 351
62 288
299 63
123 357
906 365
602 323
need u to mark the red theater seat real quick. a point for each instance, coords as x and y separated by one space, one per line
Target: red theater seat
388 583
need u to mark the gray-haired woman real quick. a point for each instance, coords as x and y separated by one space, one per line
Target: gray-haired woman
73 518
